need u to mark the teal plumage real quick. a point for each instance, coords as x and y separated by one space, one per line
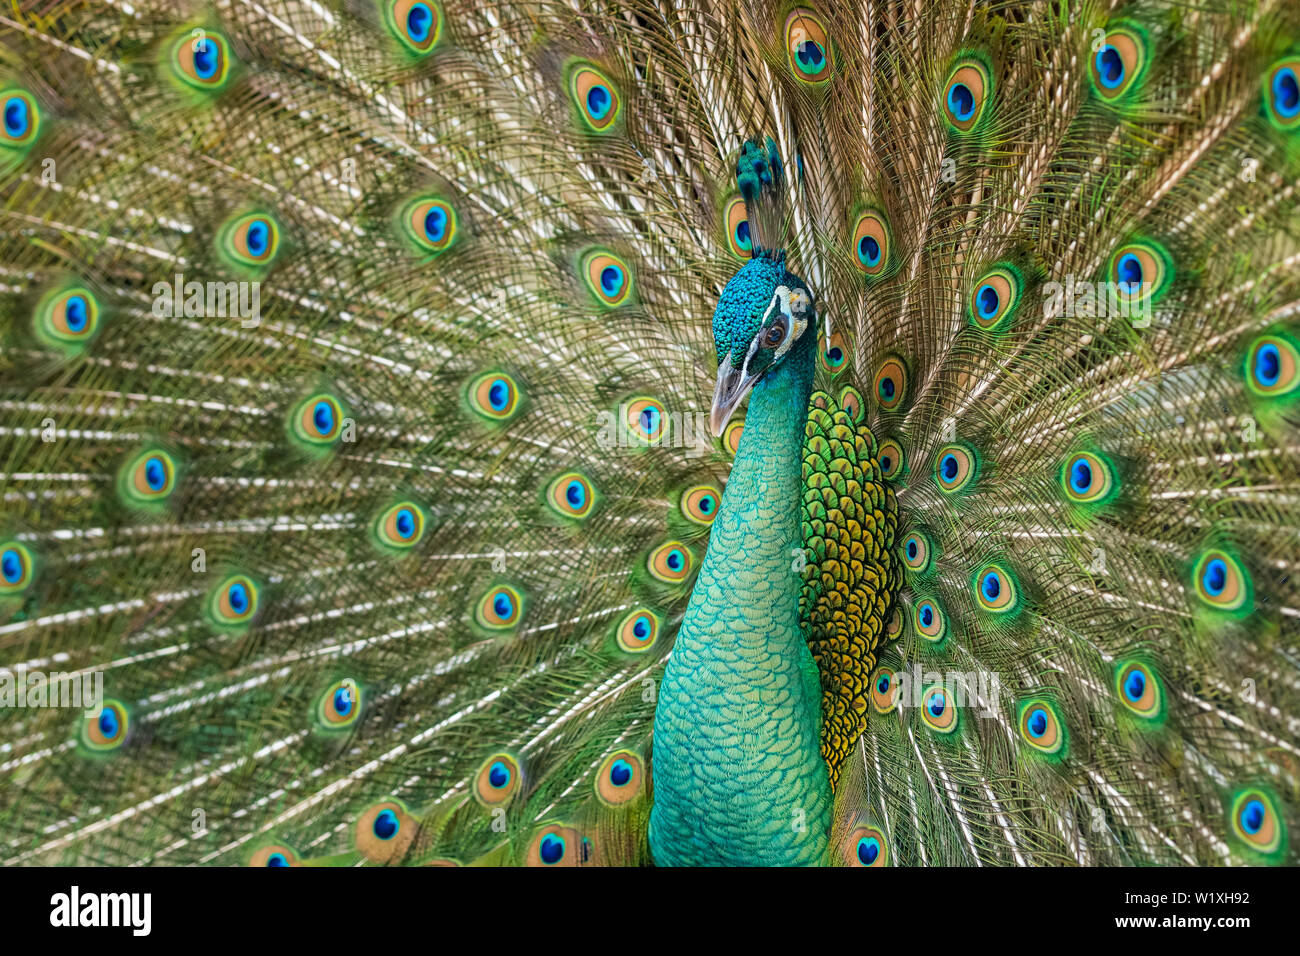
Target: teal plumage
739 715
356 433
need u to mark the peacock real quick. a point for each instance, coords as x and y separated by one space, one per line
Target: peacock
627 432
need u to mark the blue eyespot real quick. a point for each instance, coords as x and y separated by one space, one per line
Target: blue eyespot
323 417
911 548
1268 365
17 118
1038 722
649 419
1087 478
155 473
599 101
868 850
1286 92
498 394
620 773
611 280
435 223
595 96
1138 689
1129 269
276 859
936 704
986 298
743 239
1135 686
670 562
641 627
257 238
961 101
887 389
1110 67
991 586
405 523
948 467
418 21
576 494
498 775
1215 578
1081 476
237 594
108 723
11 566
869 251
386 824
927 615
810 56
882 685
1252 816
503 606
552 849
207 58
76 313
343 701
807 47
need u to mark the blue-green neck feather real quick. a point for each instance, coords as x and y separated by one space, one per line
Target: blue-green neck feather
739 776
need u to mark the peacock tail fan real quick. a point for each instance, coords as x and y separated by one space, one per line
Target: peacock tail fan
355 442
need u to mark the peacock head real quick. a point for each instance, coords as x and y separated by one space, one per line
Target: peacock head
764 316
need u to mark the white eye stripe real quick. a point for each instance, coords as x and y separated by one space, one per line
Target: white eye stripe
794 305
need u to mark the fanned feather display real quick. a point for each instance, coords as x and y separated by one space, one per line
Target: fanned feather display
355 430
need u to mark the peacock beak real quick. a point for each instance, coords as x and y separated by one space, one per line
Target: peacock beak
733 385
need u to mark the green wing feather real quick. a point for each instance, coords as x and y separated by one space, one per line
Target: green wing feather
850 518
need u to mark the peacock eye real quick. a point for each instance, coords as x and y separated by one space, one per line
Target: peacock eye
775 335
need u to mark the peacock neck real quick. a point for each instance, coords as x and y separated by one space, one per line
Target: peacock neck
757 526
739 776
